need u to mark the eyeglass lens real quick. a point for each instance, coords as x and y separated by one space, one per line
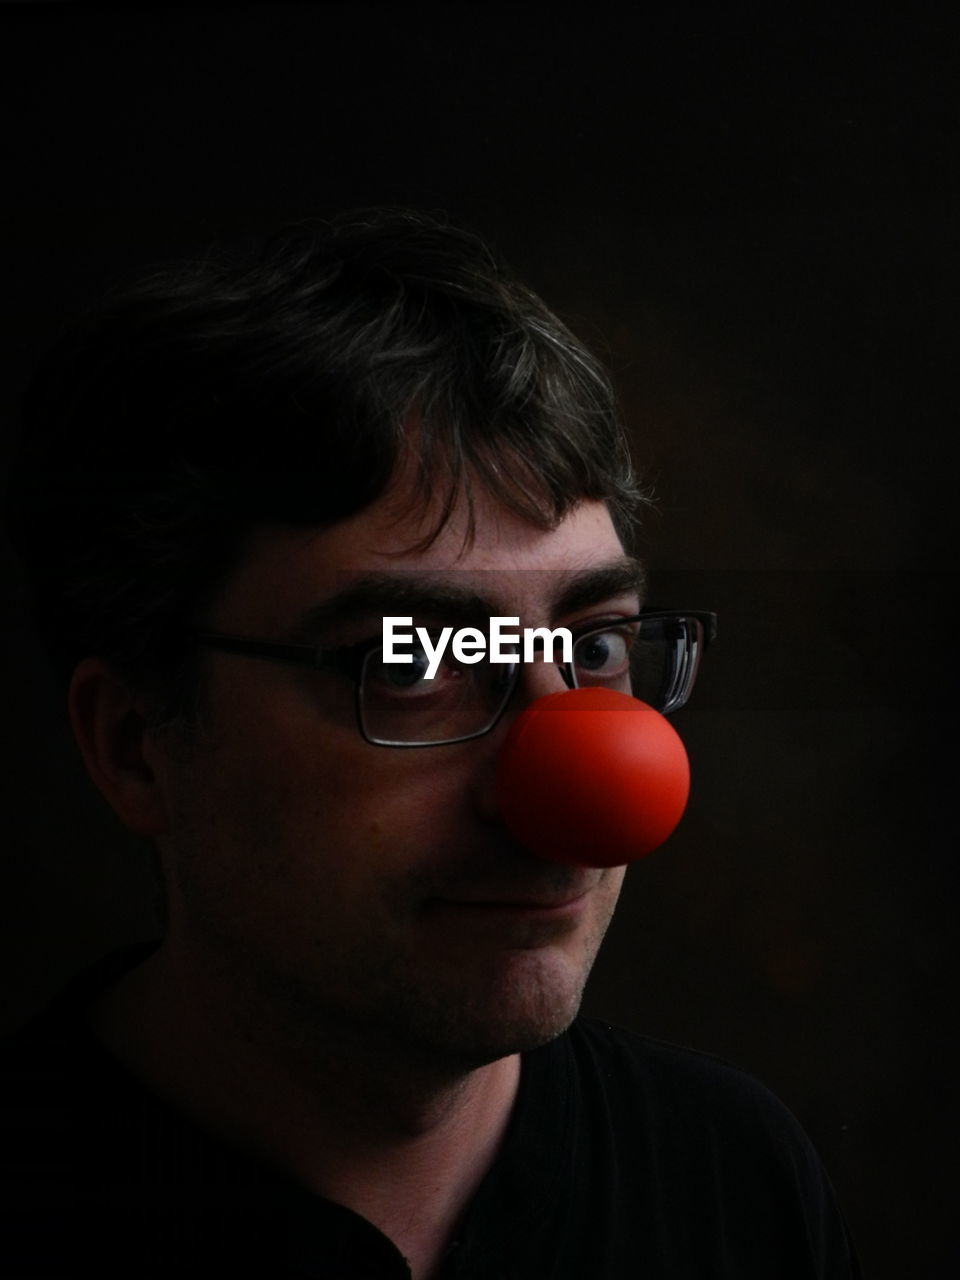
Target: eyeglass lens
654 659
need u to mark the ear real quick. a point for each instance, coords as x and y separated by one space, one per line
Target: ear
117 746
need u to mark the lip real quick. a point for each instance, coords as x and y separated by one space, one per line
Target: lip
543 905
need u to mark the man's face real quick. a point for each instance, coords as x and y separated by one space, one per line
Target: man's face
371 888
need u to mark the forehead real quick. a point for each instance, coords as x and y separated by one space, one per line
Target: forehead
284 571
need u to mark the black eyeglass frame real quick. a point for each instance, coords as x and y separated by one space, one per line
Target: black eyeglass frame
349 661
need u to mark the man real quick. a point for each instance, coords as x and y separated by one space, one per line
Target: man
349 1056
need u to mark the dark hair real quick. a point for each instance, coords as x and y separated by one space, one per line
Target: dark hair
280 388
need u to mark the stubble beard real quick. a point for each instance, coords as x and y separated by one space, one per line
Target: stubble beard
384 988
439 1017
452 1019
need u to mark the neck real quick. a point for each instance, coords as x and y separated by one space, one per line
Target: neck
373 1125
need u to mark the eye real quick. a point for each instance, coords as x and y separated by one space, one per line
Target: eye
396 678
400 675
603 657
406 681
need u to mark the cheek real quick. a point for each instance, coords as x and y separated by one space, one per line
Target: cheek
287 788
612 885
385 812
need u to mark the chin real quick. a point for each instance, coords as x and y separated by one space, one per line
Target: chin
527 1006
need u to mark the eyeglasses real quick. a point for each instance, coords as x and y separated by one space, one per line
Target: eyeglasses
653 656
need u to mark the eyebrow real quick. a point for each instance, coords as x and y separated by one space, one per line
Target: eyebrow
591 586
377 594
411 593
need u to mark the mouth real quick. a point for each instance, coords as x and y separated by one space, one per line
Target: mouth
545 903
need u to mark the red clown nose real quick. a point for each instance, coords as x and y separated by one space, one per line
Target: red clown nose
592 777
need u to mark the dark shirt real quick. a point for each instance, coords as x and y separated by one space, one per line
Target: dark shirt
625 1157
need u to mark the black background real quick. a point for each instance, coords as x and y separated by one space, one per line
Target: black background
752 216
